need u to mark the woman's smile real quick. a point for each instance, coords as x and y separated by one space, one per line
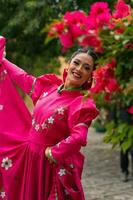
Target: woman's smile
79 71
76 75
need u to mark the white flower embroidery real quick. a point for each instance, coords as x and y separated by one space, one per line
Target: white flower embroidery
44 126
50 120
60 111
6 163
45 94
2 195
5 72
37 127
62 172
1 107
33 121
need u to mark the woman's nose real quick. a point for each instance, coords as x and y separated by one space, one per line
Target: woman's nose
79 67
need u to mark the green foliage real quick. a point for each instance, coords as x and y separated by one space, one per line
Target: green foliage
119 135
24 24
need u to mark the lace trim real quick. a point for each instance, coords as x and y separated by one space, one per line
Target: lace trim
32 87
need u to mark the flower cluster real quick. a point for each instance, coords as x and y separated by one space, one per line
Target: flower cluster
122 10
104 30
78 27
105 80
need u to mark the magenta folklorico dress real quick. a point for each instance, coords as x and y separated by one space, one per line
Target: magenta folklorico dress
59 120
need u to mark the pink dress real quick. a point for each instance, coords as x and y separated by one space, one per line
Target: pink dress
59 120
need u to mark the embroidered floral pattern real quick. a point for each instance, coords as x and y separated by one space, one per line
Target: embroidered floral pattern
50 120
44 125
37 127
59 114
60 111
2 195
6 163
1 107
62 172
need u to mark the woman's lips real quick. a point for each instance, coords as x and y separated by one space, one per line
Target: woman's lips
76 75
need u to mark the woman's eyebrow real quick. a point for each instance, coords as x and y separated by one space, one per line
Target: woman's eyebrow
86 64
78 60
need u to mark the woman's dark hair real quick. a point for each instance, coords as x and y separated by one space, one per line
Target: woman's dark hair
89 52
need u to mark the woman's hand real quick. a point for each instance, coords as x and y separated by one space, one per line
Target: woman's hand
48 154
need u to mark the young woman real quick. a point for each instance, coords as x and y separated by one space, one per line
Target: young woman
40 152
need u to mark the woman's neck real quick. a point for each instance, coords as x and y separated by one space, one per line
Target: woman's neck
68 85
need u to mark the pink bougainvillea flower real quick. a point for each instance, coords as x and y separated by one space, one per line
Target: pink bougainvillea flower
91 40
108 73
107 96
74 17
98 87
56 29
112 64
100 13
112 86
99 8
128 45
120 30
105 80
90 23
130 110
76 30
66 40
122 9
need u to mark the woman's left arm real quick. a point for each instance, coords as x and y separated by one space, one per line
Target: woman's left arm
79 121
70 145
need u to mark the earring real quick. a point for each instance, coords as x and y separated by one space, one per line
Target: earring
90 79
87 85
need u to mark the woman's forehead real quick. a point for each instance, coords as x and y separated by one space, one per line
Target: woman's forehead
84 57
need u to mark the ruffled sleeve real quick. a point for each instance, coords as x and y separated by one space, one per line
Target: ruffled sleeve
81 113
43 84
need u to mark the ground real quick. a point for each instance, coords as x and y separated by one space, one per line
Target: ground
102 176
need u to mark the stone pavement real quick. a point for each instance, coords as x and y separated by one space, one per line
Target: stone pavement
101 176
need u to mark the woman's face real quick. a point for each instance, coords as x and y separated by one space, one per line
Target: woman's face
80 70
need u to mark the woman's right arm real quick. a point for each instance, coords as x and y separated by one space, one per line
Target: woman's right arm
19 76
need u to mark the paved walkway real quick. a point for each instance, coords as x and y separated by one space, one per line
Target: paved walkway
101 176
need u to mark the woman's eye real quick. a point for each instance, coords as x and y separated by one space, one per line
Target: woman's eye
76 63
87 68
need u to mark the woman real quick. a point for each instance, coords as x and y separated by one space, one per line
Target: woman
40 153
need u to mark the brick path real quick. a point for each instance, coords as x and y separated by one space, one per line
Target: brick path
101 177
